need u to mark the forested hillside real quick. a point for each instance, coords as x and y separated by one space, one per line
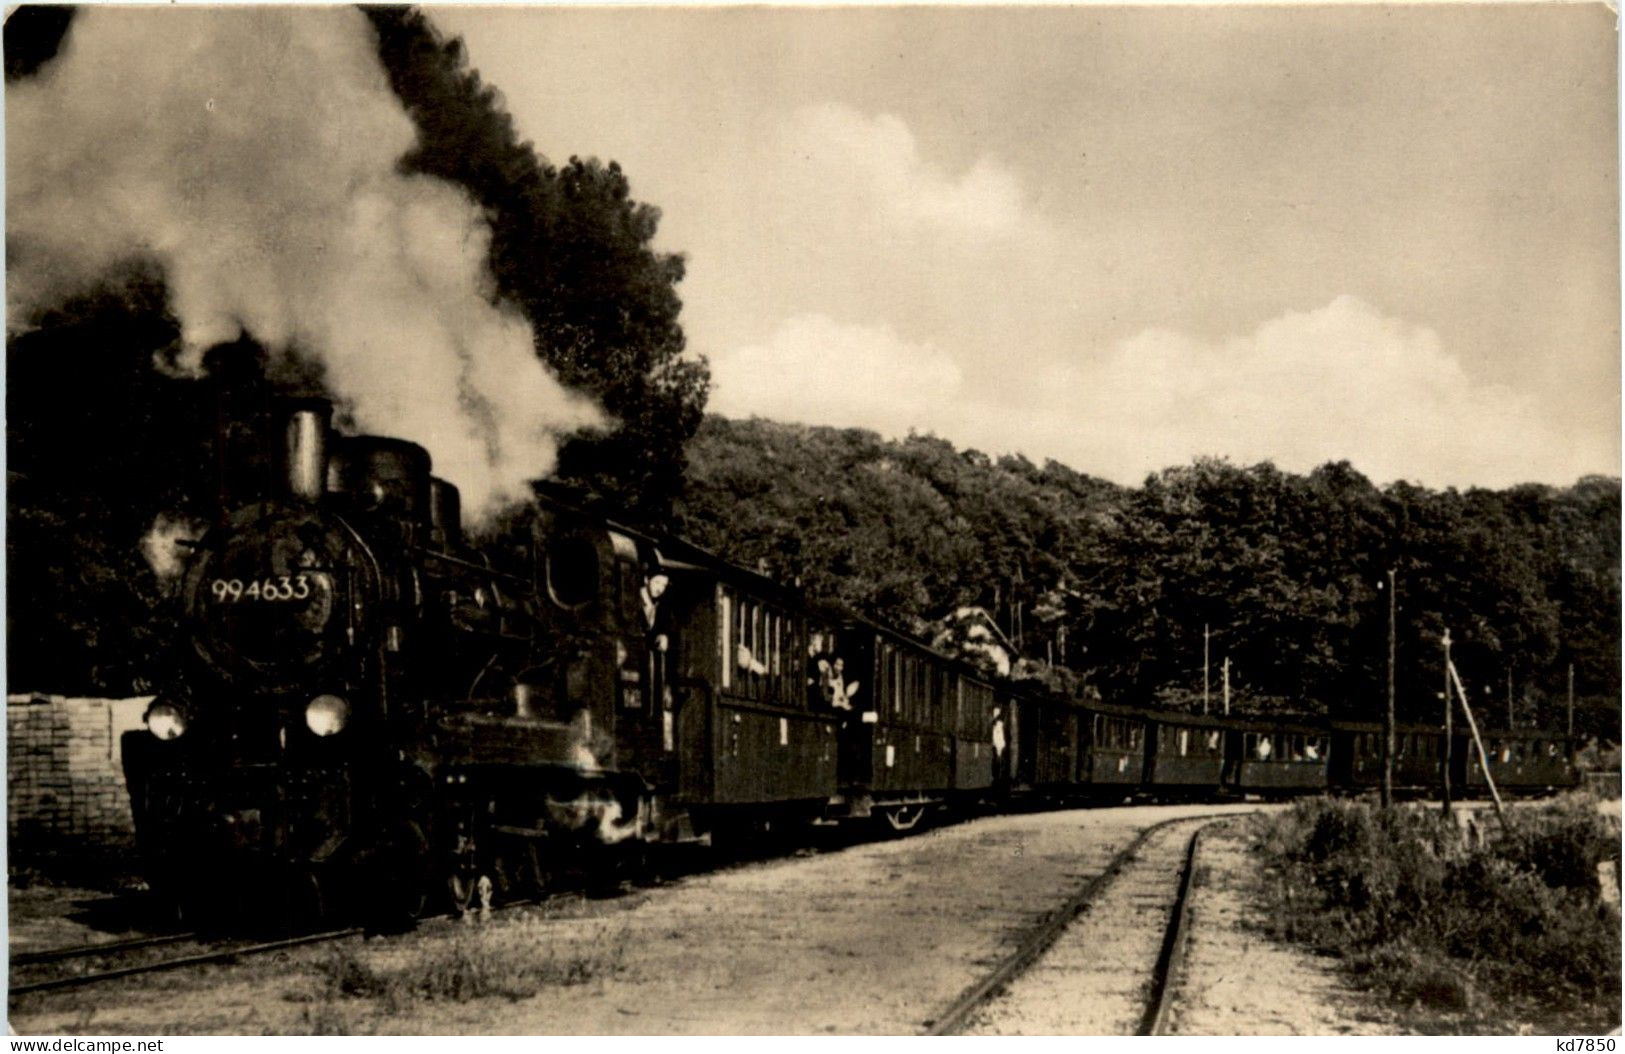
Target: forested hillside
1287 572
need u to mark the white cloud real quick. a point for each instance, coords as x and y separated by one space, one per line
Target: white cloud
1341 382
816 370
878 158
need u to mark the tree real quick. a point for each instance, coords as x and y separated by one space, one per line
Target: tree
571 249
99 441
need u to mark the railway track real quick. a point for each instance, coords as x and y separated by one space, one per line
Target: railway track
111 961
1141 899
88 964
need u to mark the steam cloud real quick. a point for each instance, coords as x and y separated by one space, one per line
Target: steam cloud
253 154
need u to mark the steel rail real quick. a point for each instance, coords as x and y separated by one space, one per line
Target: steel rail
218 956
1171 960
80 951
1040 937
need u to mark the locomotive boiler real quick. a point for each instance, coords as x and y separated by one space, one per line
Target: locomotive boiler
368 711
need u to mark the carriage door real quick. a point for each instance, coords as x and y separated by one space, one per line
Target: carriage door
1231 774
644 646
856 733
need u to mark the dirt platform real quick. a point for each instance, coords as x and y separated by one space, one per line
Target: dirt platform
1238 981
876 938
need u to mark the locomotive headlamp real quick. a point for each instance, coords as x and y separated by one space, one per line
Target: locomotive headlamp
166 720
326 715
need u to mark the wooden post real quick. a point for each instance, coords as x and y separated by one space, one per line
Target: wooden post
1227 686
1205 637
1448 733
1388 721
1483 758
1571 704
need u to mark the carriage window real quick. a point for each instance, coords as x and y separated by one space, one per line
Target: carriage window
757 645
1184 742
1213 742
572 571
724 635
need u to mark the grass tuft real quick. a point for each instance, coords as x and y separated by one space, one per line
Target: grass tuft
461 969
1474 930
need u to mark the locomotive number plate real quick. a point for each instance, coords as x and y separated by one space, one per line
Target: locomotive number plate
273 589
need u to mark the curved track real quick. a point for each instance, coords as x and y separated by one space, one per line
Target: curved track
972 1005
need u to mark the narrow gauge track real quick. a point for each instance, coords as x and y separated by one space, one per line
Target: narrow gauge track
116 949
1171 960
83 951
229 952
971 1003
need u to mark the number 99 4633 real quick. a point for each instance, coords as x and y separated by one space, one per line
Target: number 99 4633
272 589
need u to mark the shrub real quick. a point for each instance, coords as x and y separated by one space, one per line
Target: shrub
1448 921
468 967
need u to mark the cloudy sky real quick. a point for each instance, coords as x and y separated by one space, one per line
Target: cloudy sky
1125 237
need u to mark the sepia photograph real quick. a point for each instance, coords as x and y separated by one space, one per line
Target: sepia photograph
1003 520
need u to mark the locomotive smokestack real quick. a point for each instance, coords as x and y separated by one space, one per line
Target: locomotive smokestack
306 449
445 513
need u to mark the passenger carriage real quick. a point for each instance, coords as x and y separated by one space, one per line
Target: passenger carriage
1113 760
751 731
1185 754
1275 757
1531 762
919 731
1357 757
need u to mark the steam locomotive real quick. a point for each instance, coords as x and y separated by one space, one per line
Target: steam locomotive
370 713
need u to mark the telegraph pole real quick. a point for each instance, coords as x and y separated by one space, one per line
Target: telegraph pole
1227 686
1205 637
1448 735
1388 720
1571 704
